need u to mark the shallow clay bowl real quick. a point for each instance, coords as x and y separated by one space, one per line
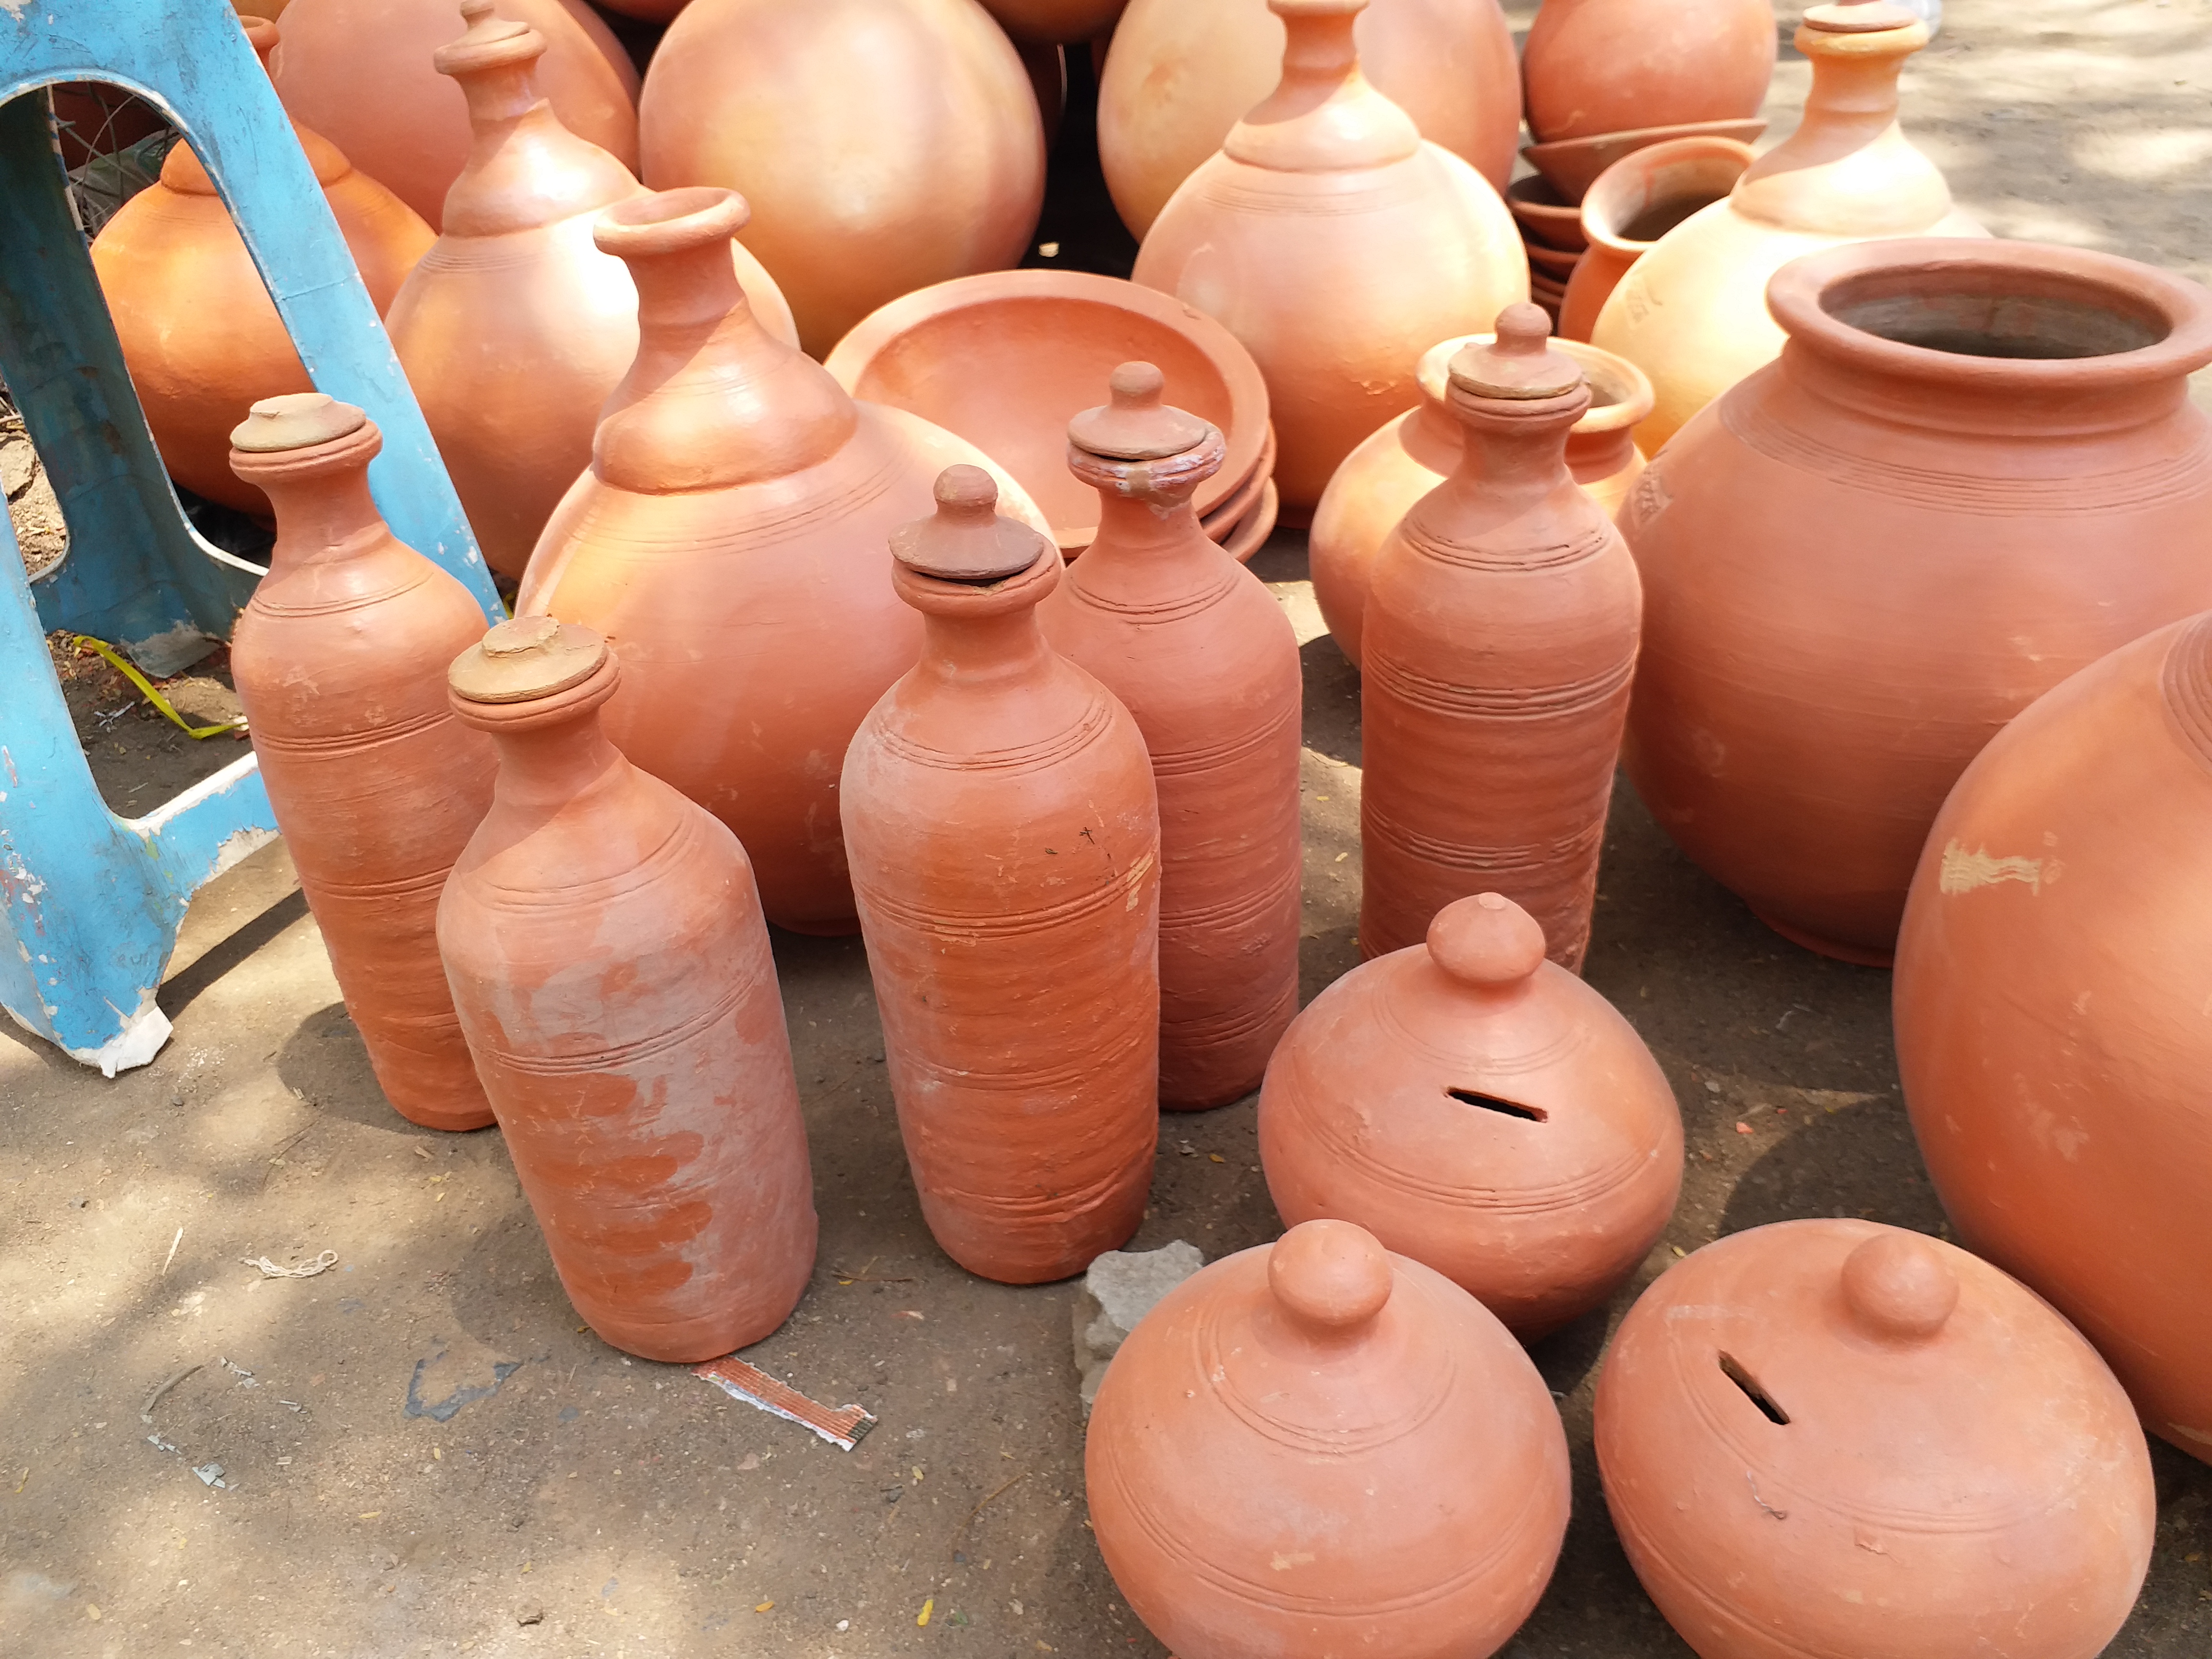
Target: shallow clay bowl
1540 287
1550 264
1225 517
1544 214
1007 358
1573 164
1245 540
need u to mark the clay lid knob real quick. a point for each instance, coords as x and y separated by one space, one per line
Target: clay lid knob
1137 426
1519 362
1486 940
1331 1276
1858 17
965 540
491 40
1898 1288
525 658
298 420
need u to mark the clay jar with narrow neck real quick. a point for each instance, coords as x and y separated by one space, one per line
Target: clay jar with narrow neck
728 542
376 787
1594 67
1318 1448
1635 202
608 957
1497 647
2049 1002
1692 312
1974 470
1325 191
1832 1437
1005 837
1410 456
200 335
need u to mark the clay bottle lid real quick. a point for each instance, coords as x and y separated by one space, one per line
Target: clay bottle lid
1519 363
492 42
1136 426
965 540
1486 940
526 658
1858 17
298 420
1331 1278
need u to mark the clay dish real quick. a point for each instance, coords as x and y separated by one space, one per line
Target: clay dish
1223 521
1573 164
1544 214
1550 264
1242 542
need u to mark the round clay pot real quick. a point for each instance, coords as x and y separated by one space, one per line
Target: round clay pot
1317 1448
1635 202
1326 190
1007 358
1481 1110
362 71
1592 67
2050 999
1205 660
1974 470
1831 1437
1062 23
1180 76
1546 218
884 144
375 786
1407 458
1692 312
608 955
1005 840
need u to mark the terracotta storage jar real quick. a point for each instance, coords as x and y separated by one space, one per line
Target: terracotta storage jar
1975 470
375 786
884 144
1325 191
1831 1437
1635 202
1599 66
2051 994
1005 845
1497 645
1410 456
728 542
608 956
1317 1448
1204 660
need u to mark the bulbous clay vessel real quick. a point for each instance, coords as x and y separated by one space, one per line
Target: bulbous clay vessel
884 144
1054 22
609 958
1204 660
1692 312
514 279
1408 457
1325 191
1975 470
1496 647
1600 66
1831 1437
1635 202
1005 847
200 334
1481 1110
364 72
2050 989
722 542
1317 1448
376 786
1180 76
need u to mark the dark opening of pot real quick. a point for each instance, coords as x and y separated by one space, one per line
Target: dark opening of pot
1733 1369
1506 1108
1657 218
1966 324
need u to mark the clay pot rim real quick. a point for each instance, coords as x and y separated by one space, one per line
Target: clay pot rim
976 601
1566 160
1705 146
1546 261
1632 396
535 713
1556 223
1247 537
1224 519
345 451
670 220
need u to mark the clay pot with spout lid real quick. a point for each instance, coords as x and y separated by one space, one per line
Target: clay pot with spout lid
1204 658
1482 1110
376 787
1005 837
1497 645
1635 202
608 957
1318 1448
1323 191
1599 66
1831 1437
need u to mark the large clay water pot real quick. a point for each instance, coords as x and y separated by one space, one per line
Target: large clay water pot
1635 202
2051 992
607 952
376 786
1005 845
1179 76
1831 1437
1975 470
1317 1448
1204 660
1599 66
1692 312
884 144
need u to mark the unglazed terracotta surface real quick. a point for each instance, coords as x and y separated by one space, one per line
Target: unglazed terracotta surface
1831 1437
338 661
1599 66
1635 202
1005 837
1572 166
1974 470
1317 1448
2049 998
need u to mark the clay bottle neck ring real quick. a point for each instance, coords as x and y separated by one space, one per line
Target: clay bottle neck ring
1518 421
676 244
563 707
941 598
1170 480
1323 116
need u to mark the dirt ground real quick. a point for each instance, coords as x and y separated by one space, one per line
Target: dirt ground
421 1451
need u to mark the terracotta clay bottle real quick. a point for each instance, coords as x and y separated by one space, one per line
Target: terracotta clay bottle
1833 1436
728 541
1635 202
1497 647
611 963
1593 67
200 335
2050 999
1203 657
1317 1448
1006 844
1323 190
376 786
